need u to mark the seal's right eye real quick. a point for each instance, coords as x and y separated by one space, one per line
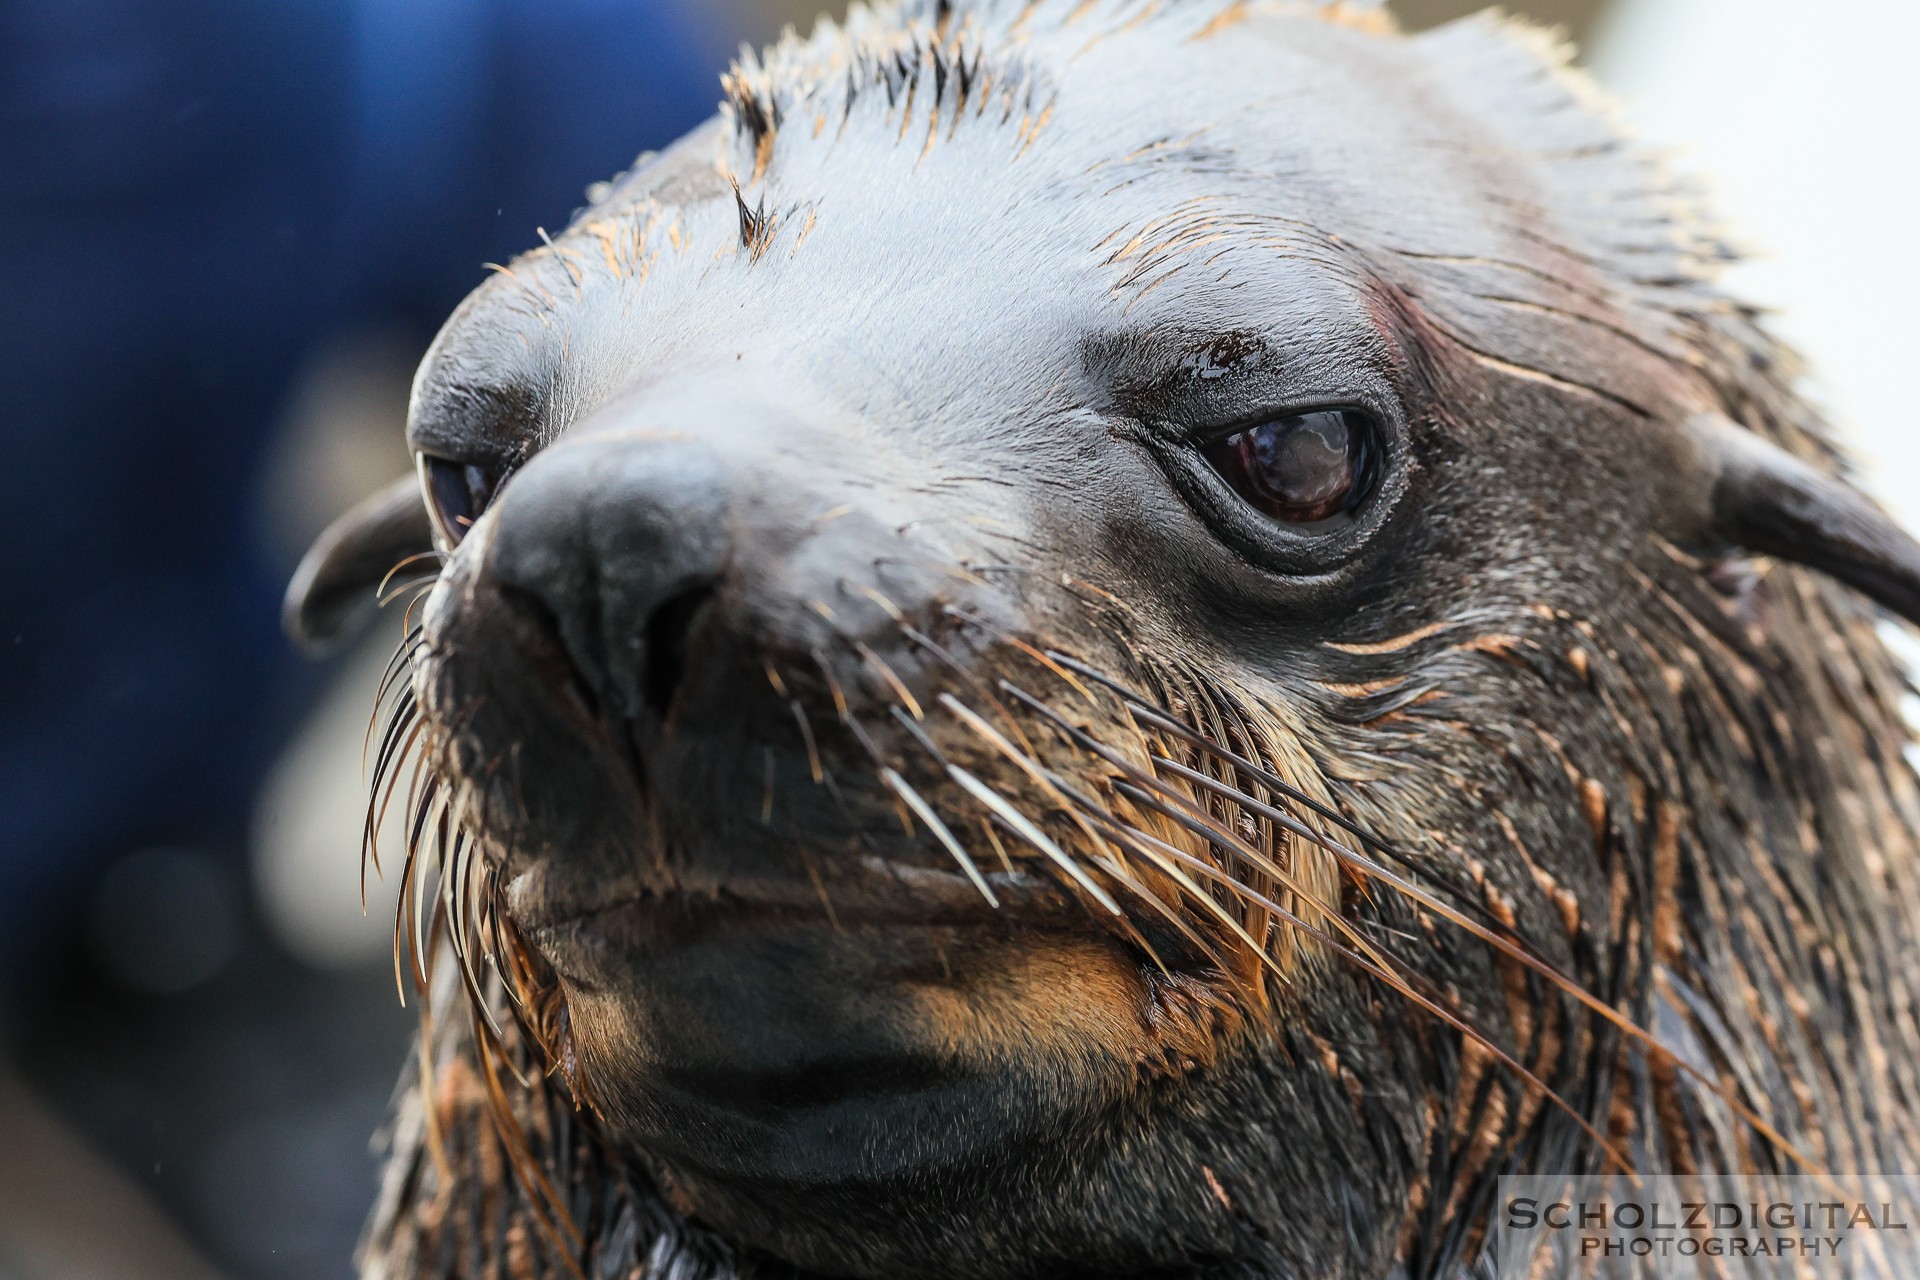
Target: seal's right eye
1311 468
456 493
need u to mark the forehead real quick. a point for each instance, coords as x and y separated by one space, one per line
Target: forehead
956 196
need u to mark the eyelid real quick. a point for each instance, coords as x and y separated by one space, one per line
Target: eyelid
1215 433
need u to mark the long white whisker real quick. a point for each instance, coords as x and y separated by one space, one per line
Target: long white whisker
912 799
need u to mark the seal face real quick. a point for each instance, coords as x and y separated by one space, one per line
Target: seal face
1114 639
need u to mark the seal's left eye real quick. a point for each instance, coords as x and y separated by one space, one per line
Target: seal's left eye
1303 468
457 492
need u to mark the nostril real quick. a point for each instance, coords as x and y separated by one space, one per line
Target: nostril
543 639
666 644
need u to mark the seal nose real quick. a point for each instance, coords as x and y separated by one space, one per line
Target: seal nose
616 542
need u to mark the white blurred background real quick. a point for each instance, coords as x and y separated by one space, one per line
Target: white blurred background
1801 116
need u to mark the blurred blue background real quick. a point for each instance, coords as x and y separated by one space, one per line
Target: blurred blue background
199 199
197 192
228 228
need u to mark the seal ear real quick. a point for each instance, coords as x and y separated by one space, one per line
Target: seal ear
1764 499
337 578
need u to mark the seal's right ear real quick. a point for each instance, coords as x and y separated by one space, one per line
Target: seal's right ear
1763 499
338 578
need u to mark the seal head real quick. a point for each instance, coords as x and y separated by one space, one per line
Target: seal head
1106 639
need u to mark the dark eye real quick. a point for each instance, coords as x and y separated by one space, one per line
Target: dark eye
1305 468
457 492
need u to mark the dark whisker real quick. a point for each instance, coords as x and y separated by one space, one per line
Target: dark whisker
1044 657
1504 940
1382 969
399 718
1206 829
402 660
1161 718
1451 1017
407 731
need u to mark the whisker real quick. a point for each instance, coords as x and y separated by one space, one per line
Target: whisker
891 677
1520 954
819 882
1142 776
1125 835
469 973
1022 757
913 800
834 690
1376 963
408 730
1044 657
927 744
1452 1018
887 606
406 615
405 585
814 766
1033 835
1161 718
403 710
457 912
951 570
1157 718
1118 869
413 559
402 660
406 910
1011 722
1505 942
826 778
766 789
1000 849
1190 817
1379 968
528 1170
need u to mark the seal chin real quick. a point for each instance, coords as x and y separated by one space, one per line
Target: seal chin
768 1041
784 1024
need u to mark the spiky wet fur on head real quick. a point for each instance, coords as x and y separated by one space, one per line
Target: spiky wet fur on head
1593 768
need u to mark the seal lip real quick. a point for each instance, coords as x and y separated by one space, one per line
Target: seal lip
579 939
912 895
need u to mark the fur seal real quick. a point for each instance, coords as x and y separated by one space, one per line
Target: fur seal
1113 638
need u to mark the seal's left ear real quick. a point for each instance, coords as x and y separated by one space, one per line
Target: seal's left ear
1764 499
337 579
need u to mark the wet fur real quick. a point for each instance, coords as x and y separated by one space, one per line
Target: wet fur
1679 779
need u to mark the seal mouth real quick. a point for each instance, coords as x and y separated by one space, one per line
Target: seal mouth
879 894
